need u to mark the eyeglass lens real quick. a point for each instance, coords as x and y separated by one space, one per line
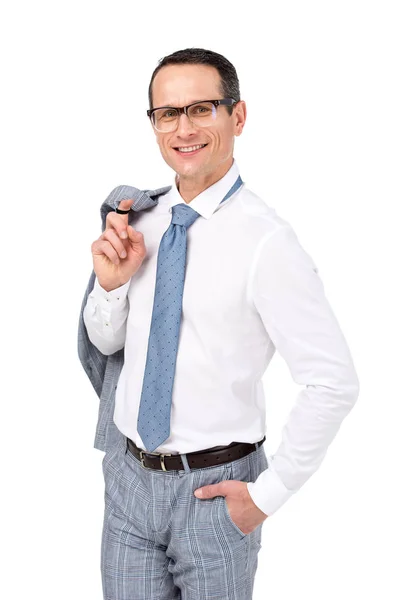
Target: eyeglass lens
202 114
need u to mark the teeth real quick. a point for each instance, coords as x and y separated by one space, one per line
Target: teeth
191 148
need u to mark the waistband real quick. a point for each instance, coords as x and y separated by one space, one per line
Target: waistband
209 457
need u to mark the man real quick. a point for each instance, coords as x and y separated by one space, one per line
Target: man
197 297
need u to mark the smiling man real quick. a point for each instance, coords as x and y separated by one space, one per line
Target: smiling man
182 316
213 127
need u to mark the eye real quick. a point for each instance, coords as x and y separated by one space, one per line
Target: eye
201 109
169 113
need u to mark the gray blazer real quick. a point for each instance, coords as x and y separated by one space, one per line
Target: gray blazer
103 371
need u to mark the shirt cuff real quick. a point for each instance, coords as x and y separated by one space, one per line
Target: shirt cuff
109 300
267 491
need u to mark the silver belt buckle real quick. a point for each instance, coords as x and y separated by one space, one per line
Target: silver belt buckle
141 452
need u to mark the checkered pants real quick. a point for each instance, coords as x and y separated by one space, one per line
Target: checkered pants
160 542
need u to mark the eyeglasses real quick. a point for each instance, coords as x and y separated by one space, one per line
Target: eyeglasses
203 114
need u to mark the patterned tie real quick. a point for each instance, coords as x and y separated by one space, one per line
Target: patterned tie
153 422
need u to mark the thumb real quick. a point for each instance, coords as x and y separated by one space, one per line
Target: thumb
134 236
209 491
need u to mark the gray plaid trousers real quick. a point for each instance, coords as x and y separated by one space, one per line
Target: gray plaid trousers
160 542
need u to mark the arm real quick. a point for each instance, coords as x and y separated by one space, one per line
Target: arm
105 316
289 296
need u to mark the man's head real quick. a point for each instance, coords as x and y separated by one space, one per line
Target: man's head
188 76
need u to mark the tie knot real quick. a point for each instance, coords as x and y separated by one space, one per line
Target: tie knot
183 214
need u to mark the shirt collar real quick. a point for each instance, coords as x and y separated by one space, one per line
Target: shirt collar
207 202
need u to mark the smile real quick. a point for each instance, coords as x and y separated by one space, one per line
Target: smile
190 149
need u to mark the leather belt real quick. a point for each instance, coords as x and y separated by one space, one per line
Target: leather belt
216 455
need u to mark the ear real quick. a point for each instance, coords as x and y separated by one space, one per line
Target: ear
240 116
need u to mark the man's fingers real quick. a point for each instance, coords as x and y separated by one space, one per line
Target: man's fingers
117 221
125 205
101 247
133 234
115 241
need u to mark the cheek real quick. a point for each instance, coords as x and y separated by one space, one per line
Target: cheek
221 142
166 146
163 146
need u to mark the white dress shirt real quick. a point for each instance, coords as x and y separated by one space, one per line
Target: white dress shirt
250 288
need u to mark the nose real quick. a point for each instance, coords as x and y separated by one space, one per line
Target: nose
185 125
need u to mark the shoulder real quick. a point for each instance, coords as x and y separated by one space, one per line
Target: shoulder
263 217
275 235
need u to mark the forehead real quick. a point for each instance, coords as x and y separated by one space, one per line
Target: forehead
178 85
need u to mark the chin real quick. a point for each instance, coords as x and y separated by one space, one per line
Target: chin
183 169
187 169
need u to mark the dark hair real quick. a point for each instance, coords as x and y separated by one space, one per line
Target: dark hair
229 85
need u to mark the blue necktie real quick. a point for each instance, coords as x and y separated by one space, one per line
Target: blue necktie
153 422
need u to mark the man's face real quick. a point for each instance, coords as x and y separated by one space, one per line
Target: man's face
179 85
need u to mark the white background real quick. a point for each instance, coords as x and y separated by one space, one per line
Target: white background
321 145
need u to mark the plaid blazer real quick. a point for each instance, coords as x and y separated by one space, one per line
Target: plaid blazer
103 371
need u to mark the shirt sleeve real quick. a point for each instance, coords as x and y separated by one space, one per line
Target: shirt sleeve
289 296
105 316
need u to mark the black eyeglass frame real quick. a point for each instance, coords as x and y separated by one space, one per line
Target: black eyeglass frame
183 109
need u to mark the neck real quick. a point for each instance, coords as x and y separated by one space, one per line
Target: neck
190 187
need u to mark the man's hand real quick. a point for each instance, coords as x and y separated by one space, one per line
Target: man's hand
243 511
120 250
